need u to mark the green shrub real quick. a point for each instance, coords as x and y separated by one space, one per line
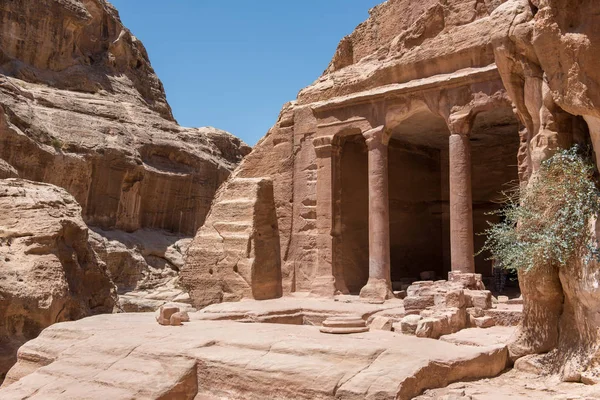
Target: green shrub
547 223
56 143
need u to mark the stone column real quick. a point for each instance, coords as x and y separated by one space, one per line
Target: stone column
378 287
328 279
461 206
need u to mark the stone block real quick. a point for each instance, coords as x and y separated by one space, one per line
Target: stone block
428 328
183 316
483 322
452 298
419 303
175 319
408 324
381 324
502 299
479 298
475 312
165 313
457 320
467 280
420 288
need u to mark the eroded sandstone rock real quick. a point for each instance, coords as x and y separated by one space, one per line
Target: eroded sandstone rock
546 52
81 108
49 271
236 254
144 265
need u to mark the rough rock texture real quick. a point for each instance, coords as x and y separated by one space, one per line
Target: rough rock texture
514 385
49 272
120 357
144 265
547 54
81 108
294 310
235 255
7 170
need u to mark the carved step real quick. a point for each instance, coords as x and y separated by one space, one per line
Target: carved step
232 227
236 210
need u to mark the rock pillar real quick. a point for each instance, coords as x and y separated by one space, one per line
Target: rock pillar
461 207
378 287
328 278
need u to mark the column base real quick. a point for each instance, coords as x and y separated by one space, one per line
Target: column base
323 286
376 291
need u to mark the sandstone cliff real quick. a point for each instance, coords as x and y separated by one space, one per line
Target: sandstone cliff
50 273
81 108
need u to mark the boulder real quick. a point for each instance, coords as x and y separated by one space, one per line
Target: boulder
50 272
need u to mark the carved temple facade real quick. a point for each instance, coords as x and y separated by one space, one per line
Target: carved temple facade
369 190
409 140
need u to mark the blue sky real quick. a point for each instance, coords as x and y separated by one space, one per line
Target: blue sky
232 64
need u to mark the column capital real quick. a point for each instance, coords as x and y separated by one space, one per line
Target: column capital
326 146
461 123
376 136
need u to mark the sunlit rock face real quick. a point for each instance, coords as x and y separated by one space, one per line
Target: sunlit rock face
49 272
519 78
83 114
82 108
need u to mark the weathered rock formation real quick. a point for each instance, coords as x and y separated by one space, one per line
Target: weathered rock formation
48 271
235 255
547 52
144 265
81 108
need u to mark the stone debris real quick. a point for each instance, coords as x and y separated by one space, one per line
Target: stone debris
437 308
381 323
170 315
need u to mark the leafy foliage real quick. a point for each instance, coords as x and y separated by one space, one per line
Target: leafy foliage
547 222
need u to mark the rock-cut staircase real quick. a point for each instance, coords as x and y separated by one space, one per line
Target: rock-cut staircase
235 255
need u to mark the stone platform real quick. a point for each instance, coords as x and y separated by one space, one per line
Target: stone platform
126 356
296 310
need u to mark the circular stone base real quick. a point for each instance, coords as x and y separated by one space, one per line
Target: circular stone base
344 325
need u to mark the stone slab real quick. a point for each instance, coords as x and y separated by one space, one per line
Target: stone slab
124 356
496 335
292 310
